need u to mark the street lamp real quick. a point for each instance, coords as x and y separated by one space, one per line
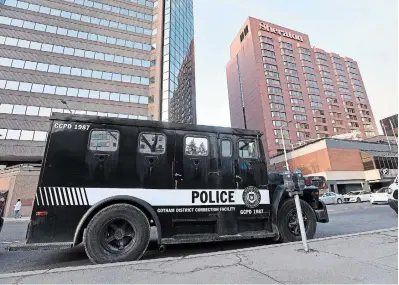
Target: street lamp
66 104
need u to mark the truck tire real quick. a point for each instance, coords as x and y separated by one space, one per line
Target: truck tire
288 224
117 233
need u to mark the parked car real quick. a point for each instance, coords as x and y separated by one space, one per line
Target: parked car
393 196
357 196
332 198
381 196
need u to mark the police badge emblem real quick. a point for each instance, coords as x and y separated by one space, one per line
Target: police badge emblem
251 197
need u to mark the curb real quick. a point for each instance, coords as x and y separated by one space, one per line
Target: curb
94 266
13 220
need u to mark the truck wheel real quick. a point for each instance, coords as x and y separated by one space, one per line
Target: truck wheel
117 233
288 224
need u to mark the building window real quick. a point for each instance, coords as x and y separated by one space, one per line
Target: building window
295 93
280 124
321 128
309 76
324 67
269 59
270 67
318 112
288 57
319 120
276 98
152 143
247 149
286 51
275 90
267 46
303 135
298 109
196 146
314 97
294 86
307 62
302 126
272 74
313 90
297 101
285 45
311 83
279 114
330 93
300 117
303 50
308 69
290 64
316 104
280 141
305 56
291 71
277 106
263 39
268 53
226 146
72 33
273 81
328 87
285 133
292 79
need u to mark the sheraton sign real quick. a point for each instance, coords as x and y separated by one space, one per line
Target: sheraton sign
267 28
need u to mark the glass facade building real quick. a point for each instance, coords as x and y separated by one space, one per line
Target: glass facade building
178 86
118 58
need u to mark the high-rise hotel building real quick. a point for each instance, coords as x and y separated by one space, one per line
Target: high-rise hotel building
278 81
115 58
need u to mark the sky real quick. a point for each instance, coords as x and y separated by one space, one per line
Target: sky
365 30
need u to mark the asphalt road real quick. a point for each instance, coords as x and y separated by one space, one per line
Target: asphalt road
344 219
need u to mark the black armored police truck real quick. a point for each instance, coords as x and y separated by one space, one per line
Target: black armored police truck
105 182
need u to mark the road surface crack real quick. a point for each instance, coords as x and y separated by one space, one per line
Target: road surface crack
197 269
253 269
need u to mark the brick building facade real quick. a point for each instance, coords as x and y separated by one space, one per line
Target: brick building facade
346 165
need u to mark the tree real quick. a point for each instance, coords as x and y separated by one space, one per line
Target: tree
202 149
191 148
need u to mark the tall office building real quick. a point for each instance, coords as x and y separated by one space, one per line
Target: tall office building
278 83
115 58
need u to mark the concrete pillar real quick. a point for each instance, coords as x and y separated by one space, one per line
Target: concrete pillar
335 187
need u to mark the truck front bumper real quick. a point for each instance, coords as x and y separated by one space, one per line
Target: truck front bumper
321 213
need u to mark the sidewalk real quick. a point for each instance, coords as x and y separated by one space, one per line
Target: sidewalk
359 258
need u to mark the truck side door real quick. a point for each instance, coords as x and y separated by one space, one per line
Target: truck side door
155 156
193 156
249 167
